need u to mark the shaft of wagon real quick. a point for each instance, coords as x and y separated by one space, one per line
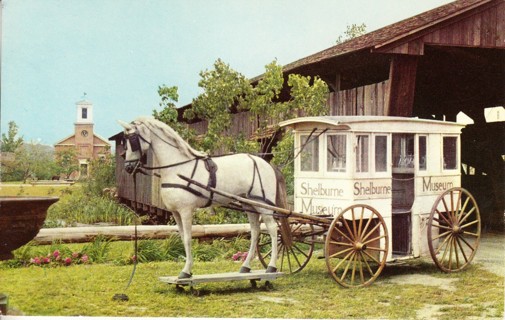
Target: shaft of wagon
252 202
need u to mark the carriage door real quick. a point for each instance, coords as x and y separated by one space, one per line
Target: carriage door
403 192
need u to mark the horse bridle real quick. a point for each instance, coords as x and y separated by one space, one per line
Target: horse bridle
133 166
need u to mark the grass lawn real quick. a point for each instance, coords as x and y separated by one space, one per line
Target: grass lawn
17 189
88 290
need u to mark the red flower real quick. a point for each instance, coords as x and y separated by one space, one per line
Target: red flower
67 261
56 254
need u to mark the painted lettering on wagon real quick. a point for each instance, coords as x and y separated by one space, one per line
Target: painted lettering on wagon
369 189
428 185
309 207
320 190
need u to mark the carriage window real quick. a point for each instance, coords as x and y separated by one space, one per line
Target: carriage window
422 153
336 159
403 151
362 153
450 153
309 156
381 152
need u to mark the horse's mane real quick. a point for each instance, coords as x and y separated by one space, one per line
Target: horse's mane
165 132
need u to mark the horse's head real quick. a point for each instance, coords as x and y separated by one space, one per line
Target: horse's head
135 145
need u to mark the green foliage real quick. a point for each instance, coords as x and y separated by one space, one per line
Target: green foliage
149 250
98 250
222 88
10 141
261 100
218 216
35 161
283 158
169 115
102 175
66 160
173 248
353 31
80 207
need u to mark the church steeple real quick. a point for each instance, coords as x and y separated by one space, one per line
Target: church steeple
84 122
84 112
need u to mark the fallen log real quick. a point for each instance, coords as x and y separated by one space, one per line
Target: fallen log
126 233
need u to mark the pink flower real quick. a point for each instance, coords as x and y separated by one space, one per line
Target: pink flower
67 261
244 256
46 260
236 256
35 260
75 255
56 254
134 258
84 259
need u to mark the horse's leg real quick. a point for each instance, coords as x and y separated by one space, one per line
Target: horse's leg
254 221
271 225
186 216
178 222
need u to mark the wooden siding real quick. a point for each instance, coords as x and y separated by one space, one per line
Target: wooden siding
148 187
484 29
366 100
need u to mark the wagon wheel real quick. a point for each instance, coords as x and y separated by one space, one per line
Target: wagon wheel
357 246
454 230
293 253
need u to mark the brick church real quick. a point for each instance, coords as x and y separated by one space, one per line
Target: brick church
87 144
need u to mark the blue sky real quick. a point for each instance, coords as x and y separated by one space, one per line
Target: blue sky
120 51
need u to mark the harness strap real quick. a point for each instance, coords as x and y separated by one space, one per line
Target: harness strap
254 179
211 167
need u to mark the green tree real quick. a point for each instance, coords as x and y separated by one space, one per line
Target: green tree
102 174
353 31
169 115
226 91
10 141
223 89
66 161
35 161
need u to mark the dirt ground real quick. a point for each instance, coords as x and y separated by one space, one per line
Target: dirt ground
491 253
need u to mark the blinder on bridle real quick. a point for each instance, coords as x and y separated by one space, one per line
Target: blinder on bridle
134 139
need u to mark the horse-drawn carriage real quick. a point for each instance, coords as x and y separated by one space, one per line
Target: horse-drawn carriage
370 190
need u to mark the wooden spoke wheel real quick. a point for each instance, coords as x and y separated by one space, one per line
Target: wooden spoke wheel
454 230
295 244
357 246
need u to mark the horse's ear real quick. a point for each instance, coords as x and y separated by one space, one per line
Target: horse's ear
125 125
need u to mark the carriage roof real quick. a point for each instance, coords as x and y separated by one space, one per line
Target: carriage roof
373 124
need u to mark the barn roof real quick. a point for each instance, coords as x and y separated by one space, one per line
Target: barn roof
391 33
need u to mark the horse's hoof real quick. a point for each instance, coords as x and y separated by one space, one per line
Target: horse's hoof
244 270
184 275
271 269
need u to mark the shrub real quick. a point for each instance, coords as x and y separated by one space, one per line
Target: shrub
80 207
98 250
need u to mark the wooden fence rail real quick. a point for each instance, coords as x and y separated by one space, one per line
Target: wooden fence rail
87 234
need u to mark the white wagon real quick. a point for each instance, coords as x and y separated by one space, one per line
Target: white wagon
389 189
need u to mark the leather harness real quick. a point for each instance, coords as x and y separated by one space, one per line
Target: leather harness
210 165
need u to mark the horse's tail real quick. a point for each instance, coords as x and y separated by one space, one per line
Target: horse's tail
281 198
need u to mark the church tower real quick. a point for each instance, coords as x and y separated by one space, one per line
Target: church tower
84 130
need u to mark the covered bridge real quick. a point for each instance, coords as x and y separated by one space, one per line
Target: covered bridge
432 65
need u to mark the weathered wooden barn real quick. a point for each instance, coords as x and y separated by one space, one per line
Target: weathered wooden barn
432 65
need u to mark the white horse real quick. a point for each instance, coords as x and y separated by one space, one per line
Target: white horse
238 174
